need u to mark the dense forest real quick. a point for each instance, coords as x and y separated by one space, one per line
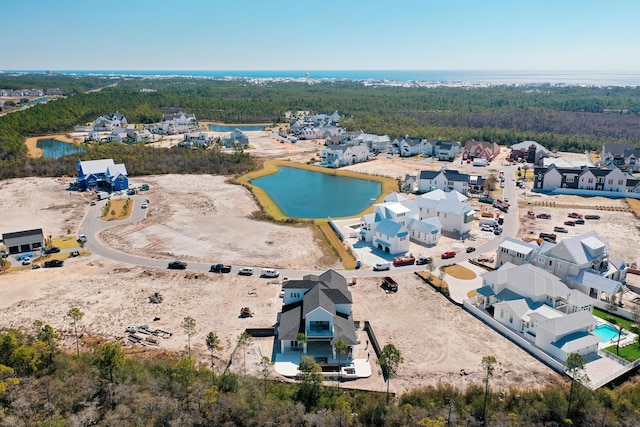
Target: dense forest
560 118
40 385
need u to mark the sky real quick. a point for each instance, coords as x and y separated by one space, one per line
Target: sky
533 35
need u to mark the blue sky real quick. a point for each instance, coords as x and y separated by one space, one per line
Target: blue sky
325 35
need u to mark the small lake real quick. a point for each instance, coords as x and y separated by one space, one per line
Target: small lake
231 128
52 148
301 193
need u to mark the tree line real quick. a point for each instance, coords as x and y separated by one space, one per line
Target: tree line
40 384
560 118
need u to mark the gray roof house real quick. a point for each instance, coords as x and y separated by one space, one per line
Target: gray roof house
320 308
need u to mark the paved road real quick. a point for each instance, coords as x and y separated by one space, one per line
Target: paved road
91 226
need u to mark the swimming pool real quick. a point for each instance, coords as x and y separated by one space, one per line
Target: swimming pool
606 332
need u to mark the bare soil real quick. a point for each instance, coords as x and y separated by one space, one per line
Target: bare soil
207 219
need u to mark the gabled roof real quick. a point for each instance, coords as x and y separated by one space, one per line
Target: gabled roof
596 281
574 322
576 341
578 249
426 226
388 228
394 197
115 170
89 167
527 280
519 246
617 149
524 145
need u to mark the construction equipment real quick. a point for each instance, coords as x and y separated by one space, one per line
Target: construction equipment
156 298
246 312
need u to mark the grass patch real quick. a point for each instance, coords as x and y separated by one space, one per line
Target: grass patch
616 320
117 209
65 242
459 272
634 204
335 245
630 352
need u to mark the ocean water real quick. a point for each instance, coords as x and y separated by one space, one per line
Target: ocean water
477 77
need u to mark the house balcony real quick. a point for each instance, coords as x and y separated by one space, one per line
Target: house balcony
319 331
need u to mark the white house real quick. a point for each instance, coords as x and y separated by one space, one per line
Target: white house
391 237
335 156
444 179
425 231
536 305
196 140
583 262
407 146
451 209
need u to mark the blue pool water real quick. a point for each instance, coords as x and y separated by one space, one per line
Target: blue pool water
301 193
231 128
52 148
606 332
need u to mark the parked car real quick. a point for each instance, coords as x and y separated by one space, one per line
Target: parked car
82 238
579 221
26 262
543 216
245 271
448 254
592 217
574 215
497 231
486 227
560 230
570 223
382 266
424 260
220 268
470 249
54 263
177 265
143 206
52 250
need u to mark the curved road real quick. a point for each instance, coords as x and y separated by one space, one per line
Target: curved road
91 226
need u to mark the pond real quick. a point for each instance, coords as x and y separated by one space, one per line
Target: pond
52 148
301 193
231 128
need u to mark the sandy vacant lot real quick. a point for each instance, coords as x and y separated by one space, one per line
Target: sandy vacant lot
207 219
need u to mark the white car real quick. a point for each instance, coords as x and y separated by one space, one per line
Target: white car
486 227
246 271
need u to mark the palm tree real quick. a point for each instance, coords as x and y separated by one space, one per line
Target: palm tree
76 315
301 339
389 360
340 347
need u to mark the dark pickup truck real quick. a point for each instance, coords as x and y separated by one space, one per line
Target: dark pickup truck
220 268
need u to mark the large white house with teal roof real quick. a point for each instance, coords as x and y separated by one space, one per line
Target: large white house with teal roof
395 222
538 307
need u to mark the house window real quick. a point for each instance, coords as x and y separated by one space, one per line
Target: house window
570 179
590 180
620 182
294 343
511 318
610 181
